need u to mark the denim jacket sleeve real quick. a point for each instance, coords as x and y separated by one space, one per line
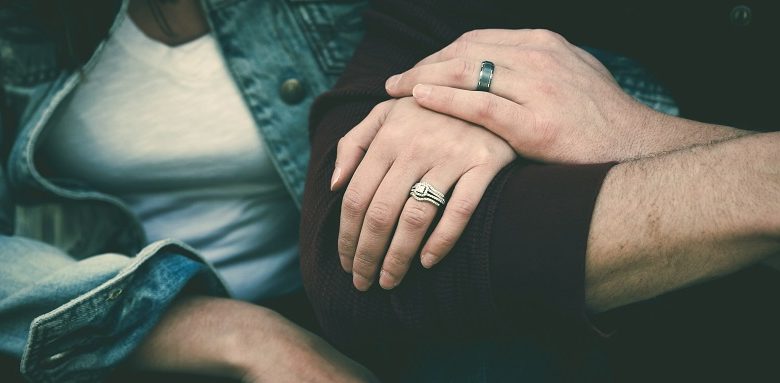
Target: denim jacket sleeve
74 320
70 317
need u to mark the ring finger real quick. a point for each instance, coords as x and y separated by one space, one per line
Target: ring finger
415 220
464 74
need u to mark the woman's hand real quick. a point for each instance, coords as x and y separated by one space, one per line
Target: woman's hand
549 99
404 144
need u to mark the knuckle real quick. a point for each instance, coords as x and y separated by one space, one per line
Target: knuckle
390 136
444 240
415 217
558 38
470 35
380 111
481 154
457 49
382 106
346 246
487 109
395 263
462 70
538 35
410 77
364 264
546 36
463 208
378 217
447 97
353 204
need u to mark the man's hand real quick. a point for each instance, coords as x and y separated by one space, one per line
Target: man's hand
403 144
229 338
549 99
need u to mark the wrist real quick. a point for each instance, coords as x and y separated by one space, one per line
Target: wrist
650 133
653 133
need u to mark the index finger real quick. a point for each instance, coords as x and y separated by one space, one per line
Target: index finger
354 145
357 197
507 119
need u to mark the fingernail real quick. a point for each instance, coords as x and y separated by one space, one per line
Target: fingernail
361 283
386 280
421 91
335 178
392 81
427 260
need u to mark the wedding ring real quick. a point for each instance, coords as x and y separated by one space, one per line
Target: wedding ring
423 191
485 76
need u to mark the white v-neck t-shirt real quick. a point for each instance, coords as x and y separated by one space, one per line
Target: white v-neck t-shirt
167 131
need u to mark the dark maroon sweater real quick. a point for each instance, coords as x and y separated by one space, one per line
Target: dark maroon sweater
521 259
520 263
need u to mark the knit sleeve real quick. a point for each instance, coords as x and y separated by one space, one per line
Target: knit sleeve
519 262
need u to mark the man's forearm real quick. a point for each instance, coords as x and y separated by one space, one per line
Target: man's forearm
230 338
203 335
673 220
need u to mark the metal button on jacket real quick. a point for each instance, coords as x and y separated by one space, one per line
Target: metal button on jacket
292 91
741 16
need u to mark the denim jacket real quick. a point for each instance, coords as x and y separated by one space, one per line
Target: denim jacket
80 285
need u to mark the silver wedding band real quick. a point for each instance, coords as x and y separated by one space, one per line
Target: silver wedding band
423 191
485 76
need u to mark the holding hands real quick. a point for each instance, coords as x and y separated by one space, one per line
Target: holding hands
550 100
547 100
403 145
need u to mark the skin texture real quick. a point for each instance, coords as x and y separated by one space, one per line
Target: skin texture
223 337
692 215
185 18
553 102
409 144
549 99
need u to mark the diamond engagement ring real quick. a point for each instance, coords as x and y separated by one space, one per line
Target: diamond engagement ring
423 191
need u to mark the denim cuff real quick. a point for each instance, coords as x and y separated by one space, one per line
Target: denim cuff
85 339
